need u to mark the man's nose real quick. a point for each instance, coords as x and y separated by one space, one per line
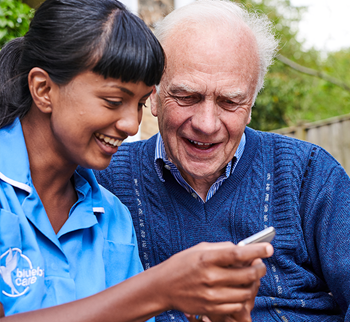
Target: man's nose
206 118
129 121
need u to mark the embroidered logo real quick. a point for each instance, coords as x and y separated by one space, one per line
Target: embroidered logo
17 280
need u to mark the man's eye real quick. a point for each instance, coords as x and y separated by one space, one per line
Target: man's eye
228 105
187 100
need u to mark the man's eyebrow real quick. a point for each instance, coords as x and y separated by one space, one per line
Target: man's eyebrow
232 95
181 88
123 89
185 88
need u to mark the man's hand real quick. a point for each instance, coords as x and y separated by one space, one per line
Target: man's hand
218 280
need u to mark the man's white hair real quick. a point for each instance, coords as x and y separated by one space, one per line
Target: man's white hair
225 13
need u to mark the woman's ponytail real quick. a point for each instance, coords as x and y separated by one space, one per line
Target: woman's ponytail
12 102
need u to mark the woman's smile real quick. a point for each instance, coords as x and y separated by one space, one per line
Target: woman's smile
108 141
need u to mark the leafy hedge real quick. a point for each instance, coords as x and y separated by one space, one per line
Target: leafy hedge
15 17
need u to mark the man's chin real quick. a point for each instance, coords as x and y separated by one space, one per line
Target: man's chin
200 172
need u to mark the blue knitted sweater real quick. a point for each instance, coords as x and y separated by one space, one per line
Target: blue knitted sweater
292 185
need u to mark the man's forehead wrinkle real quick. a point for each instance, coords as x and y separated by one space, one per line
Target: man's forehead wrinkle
207 62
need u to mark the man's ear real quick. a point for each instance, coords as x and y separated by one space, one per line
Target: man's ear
154 102
250 116
40 86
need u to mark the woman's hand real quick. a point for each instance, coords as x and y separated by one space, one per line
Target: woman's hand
2 313
241 316
219 280
213 279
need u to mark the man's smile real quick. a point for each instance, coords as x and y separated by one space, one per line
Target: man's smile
201 145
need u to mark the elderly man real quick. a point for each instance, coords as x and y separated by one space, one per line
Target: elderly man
208 177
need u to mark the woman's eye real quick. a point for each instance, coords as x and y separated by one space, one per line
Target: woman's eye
141 105
113 104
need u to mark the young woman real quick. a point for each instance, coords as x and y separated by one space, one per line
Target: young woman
71 90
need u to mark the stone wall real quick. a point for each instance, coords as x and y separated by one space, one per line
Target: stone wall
151 11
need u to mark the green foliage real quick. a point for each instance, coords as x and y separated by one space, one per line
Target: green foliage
290 97
325 99
282 93
15 17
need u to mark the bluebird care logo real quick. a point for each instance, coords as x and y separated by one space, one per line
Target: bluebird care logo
17 272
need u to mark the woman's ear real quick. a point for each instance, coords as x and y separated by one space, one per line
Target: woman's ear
40 86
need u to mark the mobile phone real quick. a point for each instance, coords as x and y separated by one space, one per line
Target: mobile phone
265 235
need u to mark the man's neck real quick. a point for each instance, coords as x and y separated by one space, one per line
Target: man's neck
201 186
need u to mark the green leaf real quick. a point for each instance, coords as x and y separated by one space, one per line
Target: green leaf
10 25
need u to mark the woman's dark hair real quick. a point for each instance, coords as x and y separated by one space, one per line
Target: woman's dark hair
67 37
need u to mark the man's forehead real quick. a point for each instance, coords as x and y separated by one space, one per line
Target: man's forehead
193 35
211 61
217 48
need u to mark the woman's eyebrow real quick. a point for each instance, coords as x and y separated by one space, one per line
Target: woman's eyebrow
148 94
127 91
123 89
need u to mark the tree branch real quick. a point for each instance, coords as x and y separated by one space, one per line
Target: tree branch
312 72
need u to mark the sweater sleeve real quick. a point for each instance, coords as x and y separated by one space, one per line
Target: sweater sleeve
327 226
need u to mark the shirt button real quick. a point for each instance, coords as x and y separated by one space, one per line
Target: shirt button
194 195
167 167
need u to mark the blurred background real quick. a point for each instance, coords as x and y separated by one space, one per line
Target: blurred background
307 89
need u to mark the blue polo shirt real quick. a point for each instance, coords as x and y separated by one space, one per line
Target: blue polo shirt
96 247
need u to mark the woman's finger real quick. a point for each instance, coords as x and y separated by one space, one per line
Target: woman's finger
230 277
2 313
197 318
227 254
212 278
